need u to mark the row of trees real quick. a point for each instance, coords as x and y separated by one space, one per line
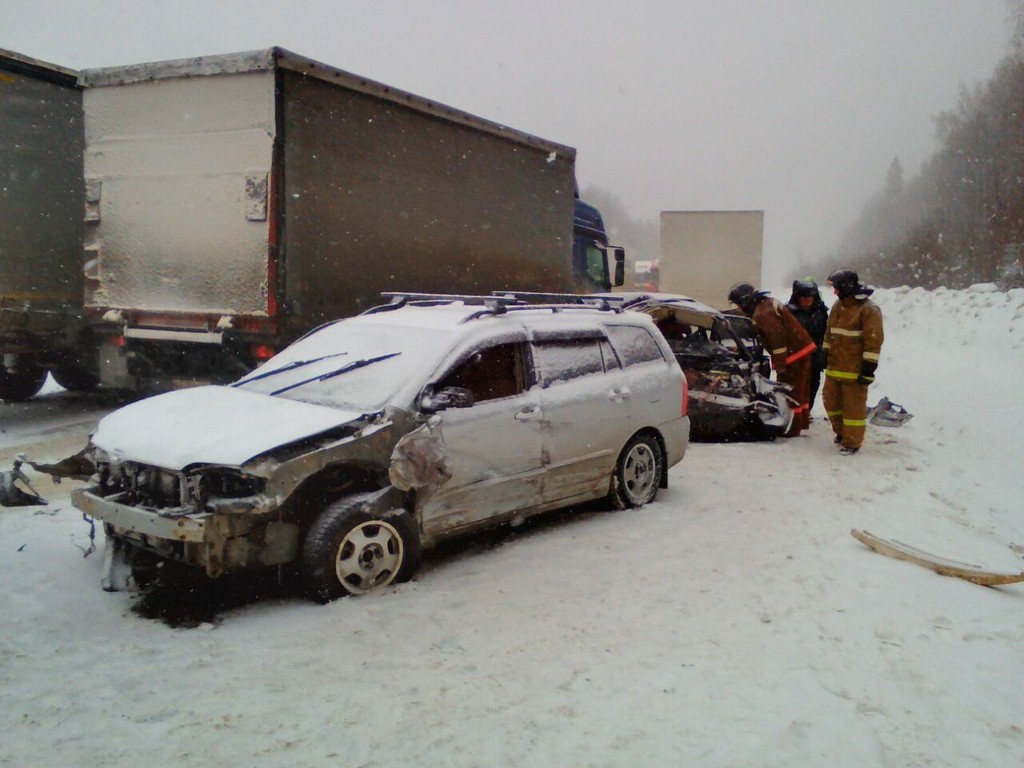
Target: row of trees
961 219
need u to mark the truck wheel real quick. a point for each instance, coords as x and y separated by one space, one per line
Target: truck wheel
637 472
22 383
75 378
352 550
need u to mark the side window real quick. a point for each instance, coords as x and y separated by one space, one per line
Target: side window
634 344
490 373
597 266
560 360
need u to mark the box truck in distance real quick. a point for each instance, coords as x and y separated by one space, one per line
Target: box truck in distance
235 202
704 253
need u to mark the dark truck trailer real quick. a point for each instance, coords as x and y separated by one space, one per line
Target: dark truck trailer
42 325
235 202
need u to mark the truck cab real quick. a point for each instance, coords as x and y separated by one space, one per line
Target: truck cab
596 265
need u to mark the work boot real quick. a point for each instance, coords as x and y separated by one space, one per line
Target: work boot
848 450
837 439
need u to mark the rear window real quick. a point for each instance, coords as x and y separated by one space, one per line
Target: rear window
634 344
566 359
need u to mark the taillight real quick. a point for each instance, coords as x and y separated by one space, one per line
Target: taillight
261 351
686 397
117 341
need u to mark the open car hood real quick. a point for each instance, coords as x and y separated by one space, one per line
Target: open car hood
210 425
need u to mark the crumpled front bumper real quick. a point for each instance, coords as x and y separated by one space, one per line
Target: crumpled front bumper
216 542
171 524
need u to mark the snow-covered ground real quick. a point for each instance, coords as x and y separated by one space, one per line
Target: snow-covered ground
734 622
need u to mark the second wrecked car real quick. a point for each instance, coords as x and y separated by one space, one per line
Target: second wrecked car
379 435
727 371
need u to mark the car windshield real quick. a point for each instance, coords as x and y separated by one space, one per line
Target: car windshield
351 365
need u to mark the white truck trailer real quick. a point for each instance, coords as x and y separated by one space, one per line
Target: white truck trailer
704 253
234 202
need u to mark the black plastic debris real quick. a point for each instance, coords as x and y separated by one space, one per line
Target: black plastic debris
11 495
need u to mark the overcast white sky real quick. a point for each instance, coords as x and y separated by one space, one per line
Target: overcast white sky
794 107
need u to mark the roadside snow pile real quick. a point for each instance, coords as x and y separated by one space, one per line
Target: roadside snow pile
732 622
956 360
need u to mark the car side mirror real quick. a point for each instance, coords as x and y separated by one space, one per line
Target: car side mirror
449 397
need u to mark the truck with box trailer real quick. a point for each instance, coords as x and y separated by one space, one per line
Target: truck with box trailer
704 253
42 324
234 202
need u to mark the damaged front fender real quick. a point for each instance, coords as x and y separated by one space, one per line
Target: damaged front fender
420 459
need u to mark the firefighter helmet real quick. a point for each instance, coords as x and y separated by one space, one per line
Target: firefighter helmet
806 287
742 294
845 281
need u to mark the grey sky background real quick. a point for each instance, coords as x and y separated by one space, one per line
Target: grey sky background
795 107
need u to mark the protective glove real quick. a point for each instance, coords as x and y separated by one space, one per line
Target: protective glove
867 373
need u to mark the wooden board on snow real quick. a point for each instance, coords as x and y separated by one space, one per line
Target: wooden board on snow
972 573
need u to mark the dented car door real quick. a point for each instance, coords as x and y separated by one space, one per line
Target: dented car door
494 445
586 403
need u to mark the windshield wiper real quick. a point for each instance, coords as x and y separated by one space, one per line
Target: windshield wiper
337 372
288 367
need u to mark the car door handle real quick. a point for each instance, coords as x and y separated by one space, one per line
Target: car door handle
529 413
618 394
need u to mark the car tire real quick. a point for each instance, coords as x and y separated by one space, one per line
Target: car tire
23 383
352 549
638 472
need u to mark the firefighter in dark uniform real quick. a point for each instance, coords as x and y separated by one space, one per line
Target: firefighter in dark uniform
789 345
853 341
810 311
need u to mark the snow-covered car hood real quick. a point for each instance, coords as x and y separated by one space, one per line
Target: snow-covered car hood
210 425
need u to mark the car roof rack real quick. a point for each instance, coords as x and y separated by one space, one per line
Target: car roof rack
542 297
562 299
399 299
497 301
563 307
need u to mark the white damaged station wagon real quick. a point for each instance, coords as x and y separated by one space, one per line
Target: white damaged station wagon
374 437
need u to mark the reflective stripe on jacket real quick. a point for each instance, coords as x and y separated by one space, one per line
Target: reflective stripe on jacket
854 335
783 337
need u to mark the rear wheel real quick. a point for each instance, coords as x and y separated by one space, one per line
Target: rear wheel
75 378
352 550
22 382
637 472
